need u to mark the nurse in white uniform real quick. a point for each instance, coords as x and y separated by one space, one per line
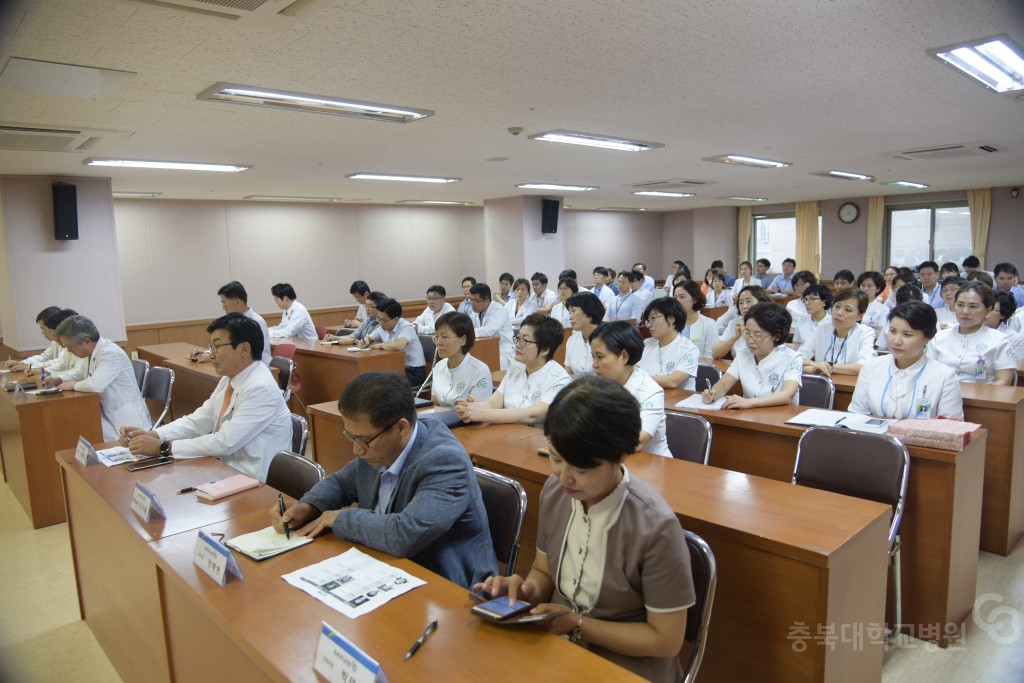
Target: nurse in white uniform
947 314
872 283
618 348
906 384
998 319
802 281
699 329
731 340
843 347
816 304
586 312
521 304
771 372
669 357
458 374
566 288
531 383
976 352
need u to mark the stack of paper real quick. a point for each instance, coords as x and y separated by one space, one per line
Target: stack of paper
259 545
816 417
696 402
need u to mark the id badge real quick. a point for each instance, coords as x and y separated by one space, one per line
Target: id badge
923 410
979 369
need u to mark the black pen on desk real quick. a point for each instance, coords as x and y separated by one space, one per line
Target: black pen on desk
431 627
840 420
280 506
190 489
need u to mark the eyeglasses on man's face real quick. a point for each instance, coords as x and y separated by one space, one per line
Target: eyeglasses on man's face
365 441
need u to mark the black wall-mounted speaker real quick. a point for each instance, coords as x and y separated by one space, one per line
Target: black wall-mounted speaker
549 215
65 211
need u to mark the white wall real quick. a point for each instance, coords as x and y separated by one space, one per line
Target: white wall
612 239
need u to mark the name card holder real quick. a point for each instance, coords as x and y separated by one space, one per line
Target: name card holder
85 454
340 661
145 503
215 559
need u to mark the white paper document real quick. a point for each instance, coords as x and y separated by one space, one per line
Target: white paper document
816 417
259 545
353 583
696 402
115 456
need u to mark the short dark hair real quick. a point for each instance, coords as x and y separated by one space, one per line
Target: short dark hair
539 277
949 265
670 308
789 261
844 275
437 289
611 271
981 276
766 263
547 332
283 290
1005 268
953 280
972 261
506 277
718 276
60 316
684 270
693 289
359 287
874 276
760 293
569 282
470 279
384 397
928 264
822 292
852 293
461 325
909 292
520 282
641 264
601 270
988 297
919 315
773 319
46 313
634 275
1007 305
234 290
589 303
482 289
748 264
377 297
907 277
568 272
717 263
390 307
619 336
241 330
593 420
804 276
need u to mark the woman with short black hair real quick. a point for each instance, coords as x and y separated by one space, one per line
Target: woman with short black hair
976 352
669 357
457 373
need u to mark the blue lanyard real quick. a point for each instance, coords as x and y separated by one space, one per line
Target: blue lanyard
831 360
913 395
618 304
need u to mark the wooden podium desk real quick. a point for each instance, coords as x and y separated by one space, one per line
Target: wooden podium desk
787 556
32 429
115 568
1000 410
941 518
326 369
263 629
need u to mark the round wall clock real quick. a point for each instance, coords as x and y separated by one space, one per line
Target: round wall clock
848 212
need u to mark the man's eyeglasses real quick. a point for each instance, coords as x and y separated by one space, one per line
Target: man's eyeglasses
438 339
213 347
475 301
434 299
809 299
365 441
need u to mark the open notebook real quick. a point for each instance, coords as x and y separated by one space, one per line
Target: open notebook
259 545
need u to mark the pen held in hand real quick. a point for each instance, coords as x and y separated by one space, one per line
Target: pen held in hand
431 627
280 506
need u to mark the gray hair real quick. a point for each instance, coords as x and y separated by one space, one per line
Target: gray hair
78 328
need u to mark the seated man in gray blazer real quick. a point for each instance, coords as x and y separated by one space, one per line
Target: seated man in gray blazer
418 496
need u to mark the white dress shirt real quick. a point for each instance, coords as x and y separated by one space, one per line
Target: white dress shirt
648 284
494 322
856 347
876 315
471 378
520 390
68 367
110 374
679 354
807 327
295 322
427 320
45 358
253 315
798 312
934 298
561 314
628 307
402 329
651 398
974 357
515 316
945 318
703 334
767 377
925 390
546 298
255 427
605 294
578 356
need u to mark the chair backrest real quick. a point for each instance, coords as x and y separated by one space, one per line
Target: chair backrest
429 347
505 501
141 367
284 373
158 386
286 350
859 464
706 371
321 331
689 436
698 617
293 475
817 391
300 434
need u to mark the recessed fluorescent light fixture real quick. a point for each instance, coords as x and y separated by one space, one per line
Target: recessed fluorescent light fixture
441 202
572 137
402 178
906 183
136 195
843 175
747 161
317 104
620 208
745 199
552 186
286 198
996 62
657 193
165 165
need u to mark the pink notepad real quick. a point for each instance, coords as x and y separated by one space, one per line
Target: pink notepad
226 487
949 435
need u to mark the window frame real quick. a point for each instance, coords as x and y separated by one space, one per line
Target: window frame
933 208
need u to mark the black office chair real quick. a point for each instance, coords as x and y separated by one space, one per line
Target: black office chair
284 366
698 617
141 367
863 465
429 354
293 475
158 386
707 373
505 501
689 436
300 434
817 391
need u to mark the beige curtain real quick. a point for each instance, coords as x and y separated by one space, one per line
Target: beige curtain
980 204
744 223
807 257
876 221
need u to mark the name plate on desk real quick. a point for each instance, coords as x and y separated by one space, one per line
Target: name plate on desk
145 503
215 559
85 454
340 661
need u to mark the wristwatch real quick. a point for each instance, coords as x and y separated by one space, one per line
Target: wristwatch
165 449
577 631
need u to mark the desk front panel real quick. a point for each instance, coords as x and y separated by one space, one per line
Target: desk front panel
326 369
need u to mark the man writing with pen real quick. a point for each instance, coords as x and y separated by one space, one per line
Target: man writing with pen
245 422
415 487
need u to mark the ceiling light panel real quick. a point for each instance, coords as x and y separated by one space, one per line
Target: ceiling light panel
286 198
745 199
996 62
844 175
438 202
742 160
906 184
401 177
656 193
165 165
316 104
135 195
572 137
553 186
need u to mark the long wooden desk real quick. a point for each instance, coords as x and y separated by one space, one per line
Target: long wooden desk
193 382
31 430
159 619
1001 411
941 519
326 369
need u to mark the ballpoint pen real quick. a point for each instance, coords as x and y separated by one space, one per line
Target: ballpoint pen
431 627
280 506
190 489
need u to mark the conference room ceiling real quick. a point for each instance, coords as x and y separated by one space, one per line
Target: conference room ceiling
823 84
